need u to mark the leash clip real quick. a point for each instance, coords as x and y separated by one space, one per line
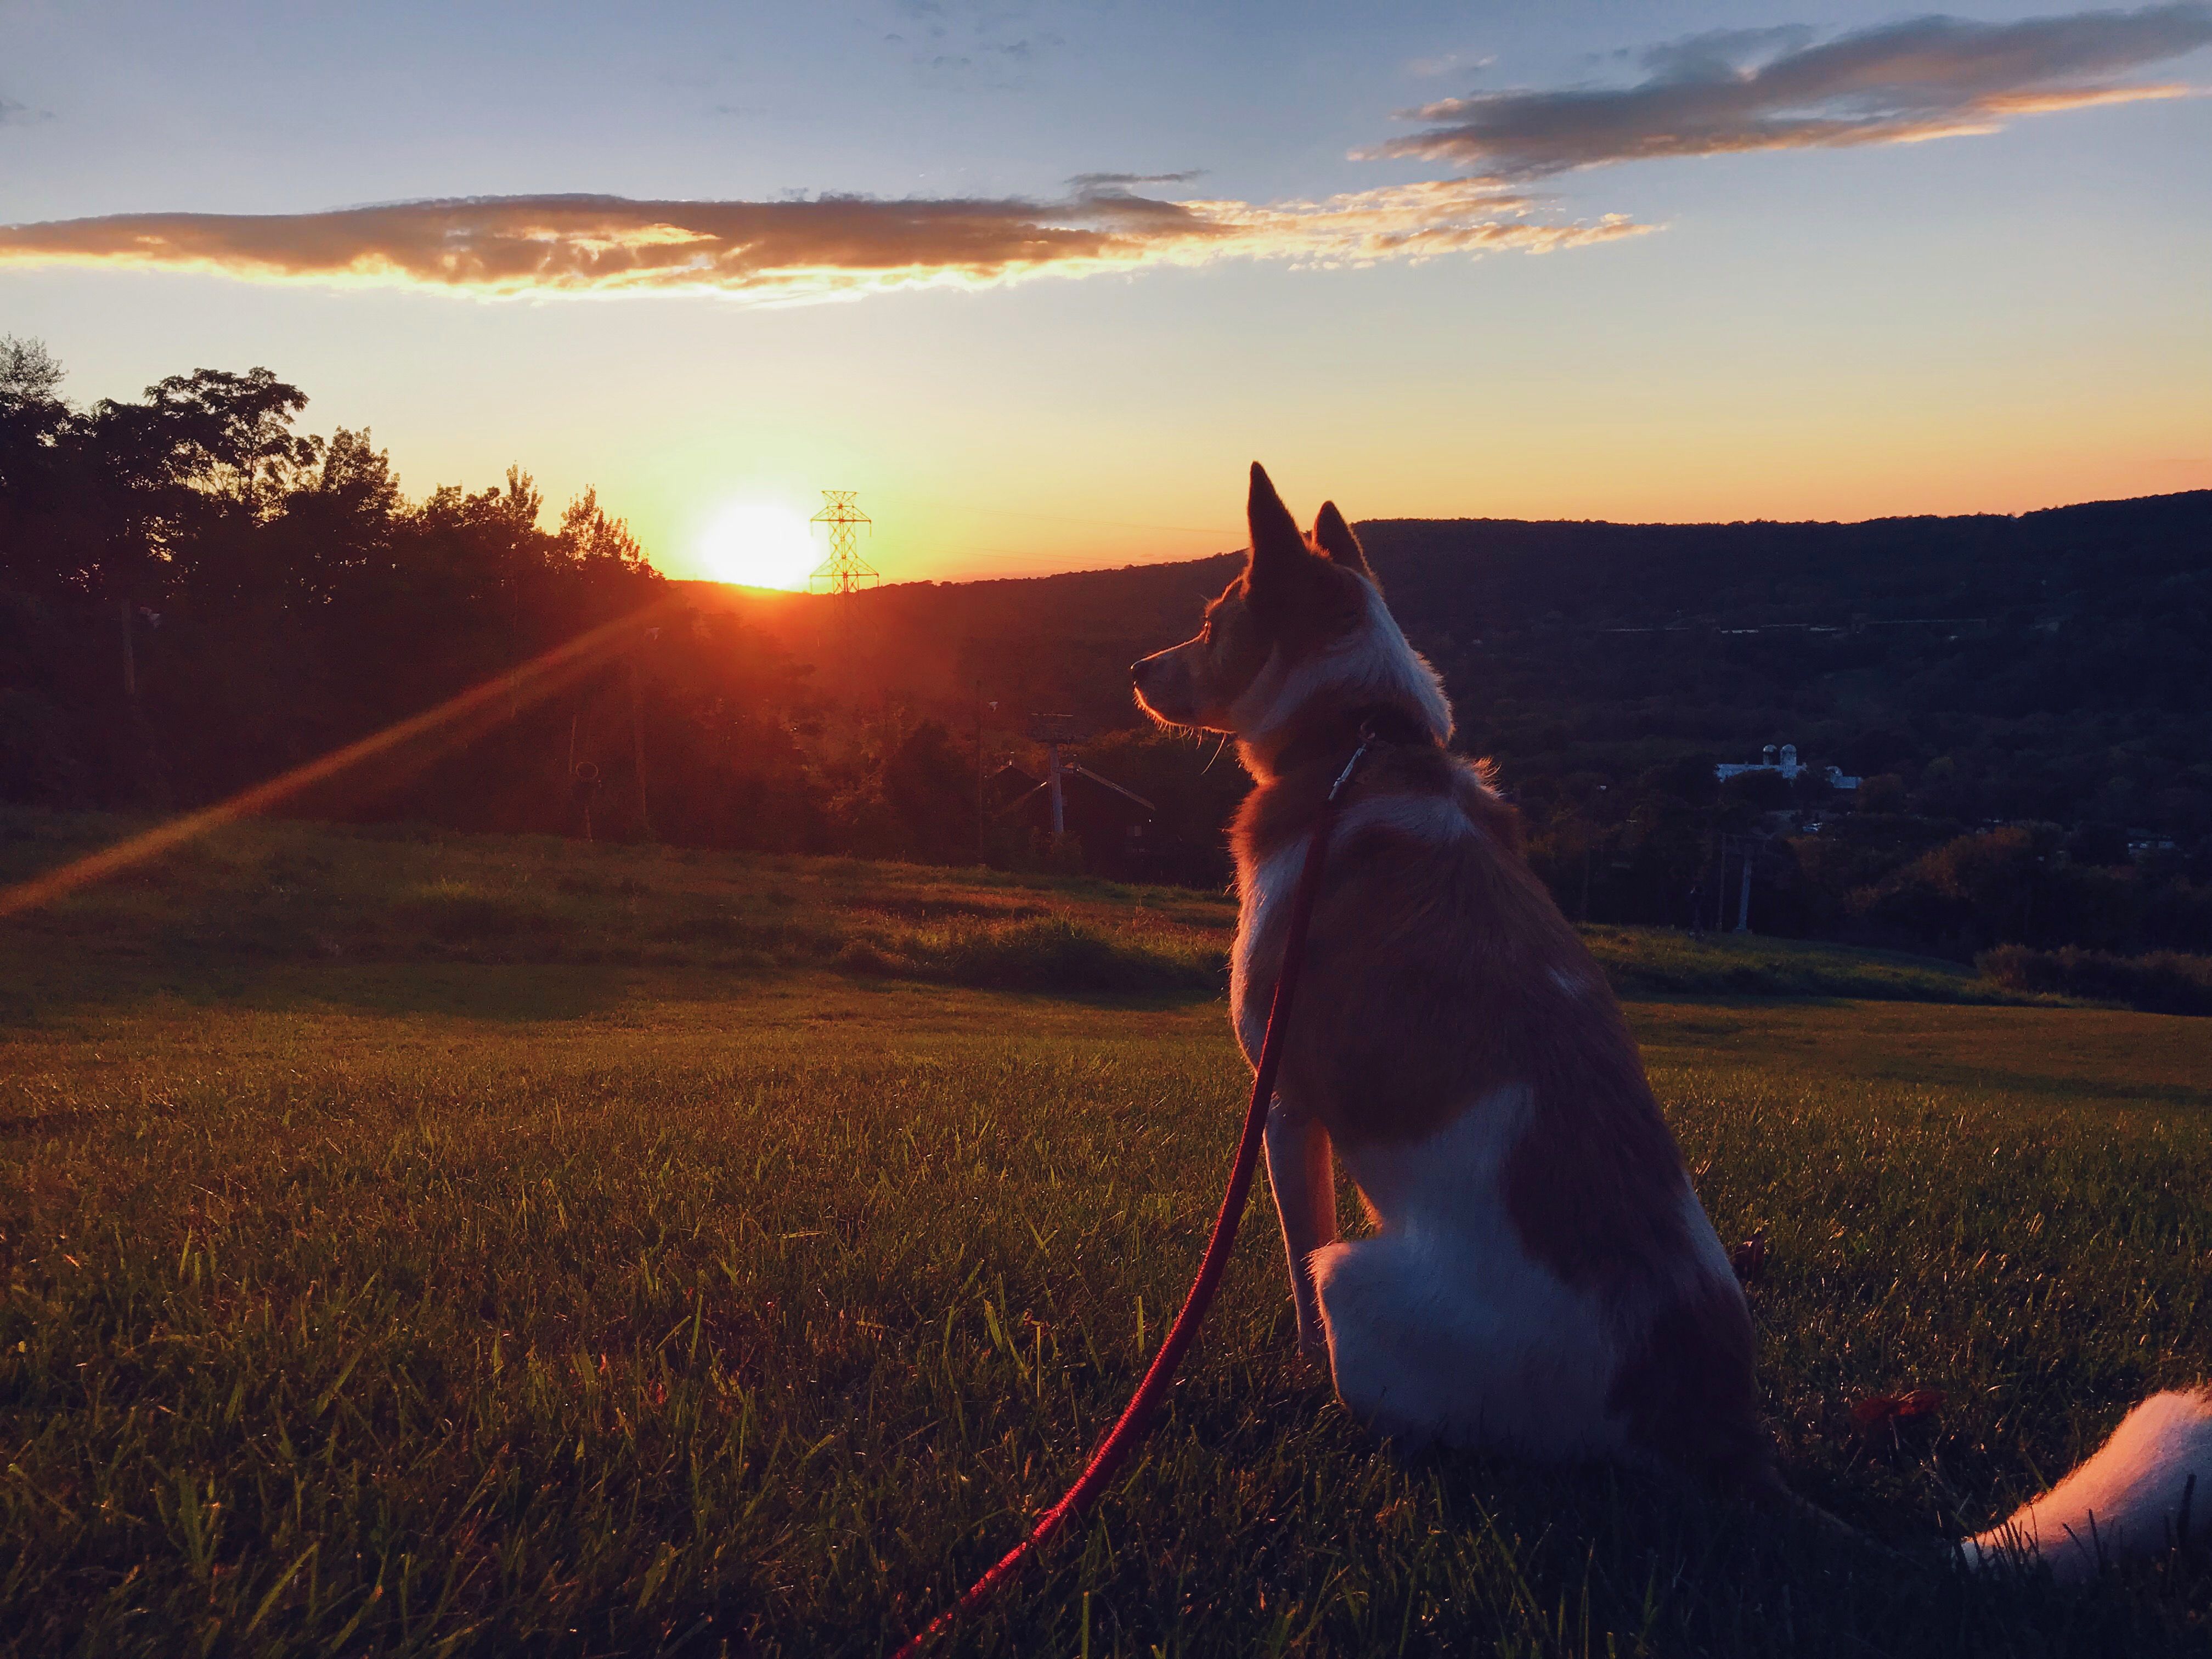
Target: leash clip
1344 778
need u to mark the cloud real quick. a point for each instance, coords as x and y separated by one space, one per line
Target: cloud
1093 183
817 248
1777 88
21 115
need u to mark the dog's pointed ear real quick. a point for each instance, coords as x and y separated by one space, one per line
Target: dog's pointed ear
1277 547
1334 538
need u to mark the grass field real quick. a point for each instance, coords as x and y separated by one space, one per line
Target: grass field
379 1281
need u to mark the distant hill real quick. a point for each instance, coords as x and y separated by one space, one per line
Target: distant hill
1060 643
2056 664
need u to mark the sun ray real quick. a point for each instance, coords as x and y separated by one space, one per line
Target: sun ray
446 724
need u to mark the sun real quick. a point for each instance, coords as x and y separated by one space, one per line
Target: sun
759 544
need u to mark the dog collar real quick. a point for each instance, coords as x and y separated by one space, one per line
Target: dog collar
1385 722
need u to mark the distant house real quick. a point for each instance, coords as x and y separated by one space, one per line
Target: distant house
1783 763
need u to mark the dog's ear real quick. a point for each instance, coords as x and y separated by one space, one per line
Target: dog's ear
1334 538
1277 551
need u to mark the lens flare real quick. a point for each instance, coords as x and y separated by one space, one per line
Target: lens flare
415 741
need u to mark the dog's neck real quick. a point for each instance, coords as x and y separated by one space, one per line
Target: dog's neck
1326 736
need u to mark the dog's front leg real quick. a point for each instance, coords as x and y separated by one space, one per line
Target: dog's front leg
1303 1177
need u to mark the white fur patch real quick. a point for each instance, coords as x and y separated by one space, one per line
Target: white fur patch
1443 1326
1706 1244
2125 1501
1372 664
1263 909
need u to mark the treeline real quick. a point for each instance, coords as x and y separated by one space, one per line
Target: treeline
2023 698
1670 848
195 597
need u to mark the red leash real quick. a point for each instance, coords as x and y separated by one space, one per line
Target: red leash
1121 1439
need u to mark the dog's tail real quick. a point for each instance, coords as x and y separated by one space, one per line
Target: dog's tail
2134 1496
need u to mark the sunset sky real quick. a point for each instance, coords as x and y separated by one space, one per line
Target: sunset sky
1038 280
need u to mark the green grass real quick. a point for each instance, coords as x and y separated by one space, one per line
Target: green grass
279 891
404 1300
1651 960
265 892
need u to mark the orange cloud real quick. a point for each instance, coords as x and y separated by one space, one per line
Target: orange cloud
1774 89
821 248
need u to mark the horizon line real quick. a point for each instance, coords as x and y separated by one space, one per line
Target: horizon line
1623 524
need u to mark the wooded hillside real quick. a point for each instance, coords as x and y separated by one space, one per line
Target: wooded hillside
195 596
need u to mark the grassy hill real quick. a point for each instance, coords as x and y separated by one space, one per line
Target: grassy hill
404 1252
265 892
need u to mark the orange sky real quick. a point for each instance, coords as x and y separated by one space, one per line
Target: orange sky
1706 262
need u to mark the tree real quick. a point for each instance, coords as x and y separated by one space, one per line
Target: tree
28 374
33 417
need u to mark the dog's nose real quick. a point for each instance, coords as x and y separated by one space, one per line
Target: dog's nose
1134 666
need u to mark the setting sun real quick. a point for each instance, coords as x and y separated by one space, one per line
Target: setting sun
759 544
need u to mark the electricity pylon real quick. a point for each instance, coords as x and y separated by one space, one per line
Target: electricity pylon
844 571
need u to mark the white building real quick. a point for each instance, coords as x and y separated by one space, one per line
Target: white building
1783 763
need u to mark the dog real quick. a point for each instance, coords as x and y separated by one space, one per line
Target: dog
1542 1280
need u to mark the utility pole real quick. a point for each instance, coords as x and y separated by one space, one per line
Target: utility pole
637 748
1052 730
979 771
1742 846
583 779
1743 900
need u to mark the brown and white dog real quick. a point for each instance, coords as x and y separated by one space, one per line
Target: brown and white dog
1541 1278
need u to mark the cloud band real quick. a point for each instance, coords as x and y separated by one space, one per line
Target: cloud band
820 248
1776 89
